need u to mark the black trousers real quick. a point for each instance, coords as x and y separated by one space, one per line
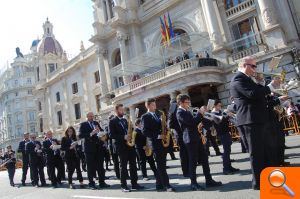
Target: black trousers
95 162
184 160
211 141
142 162
37 170
127 155
192 151
203 158
73 163
55 163
11 173
252 135
162 178
25 168
226 142
106 157
115 158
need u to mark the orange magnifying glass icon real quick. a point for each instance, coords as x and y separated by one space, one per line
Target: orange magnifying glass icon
277 179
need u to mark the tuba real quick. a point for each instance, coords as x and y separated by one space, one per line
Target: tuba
131 133
164 130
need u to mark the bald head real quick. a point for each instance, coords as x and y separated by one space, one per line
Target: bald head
90 116
248 65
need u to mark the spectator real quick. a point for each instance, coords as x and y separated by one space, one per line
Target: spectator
292 109
170 62
185 56
178 59
206 54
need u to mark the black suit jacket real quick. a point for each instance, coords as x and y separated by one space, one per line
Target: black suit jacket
91 144
65 146
250 100
117 130
189 125
30 150
152 129
140 139
21 149
50 154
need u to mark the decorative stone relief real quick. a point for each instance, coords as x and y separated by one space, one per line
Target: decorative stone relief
268 16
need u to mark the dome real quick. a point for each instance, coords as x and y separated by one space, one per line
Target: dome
35 42
50 45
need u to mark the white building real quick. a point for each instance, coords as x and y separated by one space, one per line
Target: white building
127 63
17 102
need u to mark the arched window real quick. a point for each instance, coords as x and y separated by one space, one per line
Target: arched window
116 58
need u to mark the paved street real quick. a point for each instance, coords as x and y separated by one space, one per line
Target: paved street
235 186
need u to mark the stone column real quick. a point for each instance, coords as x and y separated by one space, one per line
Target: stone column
223 17
173 95
274 35
107 9
122 37
212 23
101 52
86 99
132 113
185 91
67 114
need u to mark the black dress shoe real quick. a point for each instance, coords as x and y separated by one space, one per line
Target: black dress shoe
232 169
125 189
227 172
137 187
103 185
54 185
196 187
44 185
170 189
23 184
92 187
212 183
219 154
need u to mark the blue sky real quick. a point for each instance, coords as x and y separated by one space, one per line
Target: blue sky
21 22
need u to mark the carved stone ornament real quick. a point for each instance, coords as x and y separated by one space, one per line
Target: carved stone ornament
122 36
102 51
268 16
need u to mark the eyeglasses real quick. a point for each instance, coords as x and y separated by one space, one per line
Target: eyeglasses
252 65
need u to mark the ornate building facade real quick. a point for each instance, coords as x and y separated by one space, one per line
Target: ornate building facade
129 62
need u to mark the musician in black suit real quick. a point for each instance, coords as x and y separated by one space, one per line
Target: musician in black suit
25 158
69 144
118 131
36 161
53 159
211 140
249 97
93 150
191 138
222 128
140 144
152 129
10 164
173 124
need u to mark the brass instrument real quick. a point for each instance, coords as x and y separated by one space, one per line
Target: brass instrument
131 133
11 158
166 135
147 148
200 131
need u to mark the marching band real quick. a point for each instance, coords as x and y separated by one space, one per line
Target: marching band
255 111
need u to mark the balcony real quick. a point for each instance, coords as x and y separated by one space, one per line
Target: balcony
240 9
246 46
175 71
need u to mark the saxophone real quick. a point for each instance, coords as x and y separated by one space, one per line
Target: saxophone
148 149
131 133
164 130
200 131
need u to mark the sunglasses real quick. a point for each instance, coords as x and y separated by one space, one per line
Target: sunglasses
252 65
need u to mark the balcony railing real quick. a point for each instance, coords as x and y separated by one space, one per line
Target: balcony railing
159 75
244 6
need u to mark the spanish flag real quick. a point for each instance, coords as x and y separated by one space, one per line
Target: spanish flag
163 31
167 30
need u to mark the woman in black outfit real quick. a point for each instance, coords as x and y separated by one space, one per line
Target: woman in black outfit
10 164
69 145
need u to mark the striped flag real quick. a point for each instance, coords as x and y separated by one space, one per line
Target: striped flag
167 30
163 31
172 35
